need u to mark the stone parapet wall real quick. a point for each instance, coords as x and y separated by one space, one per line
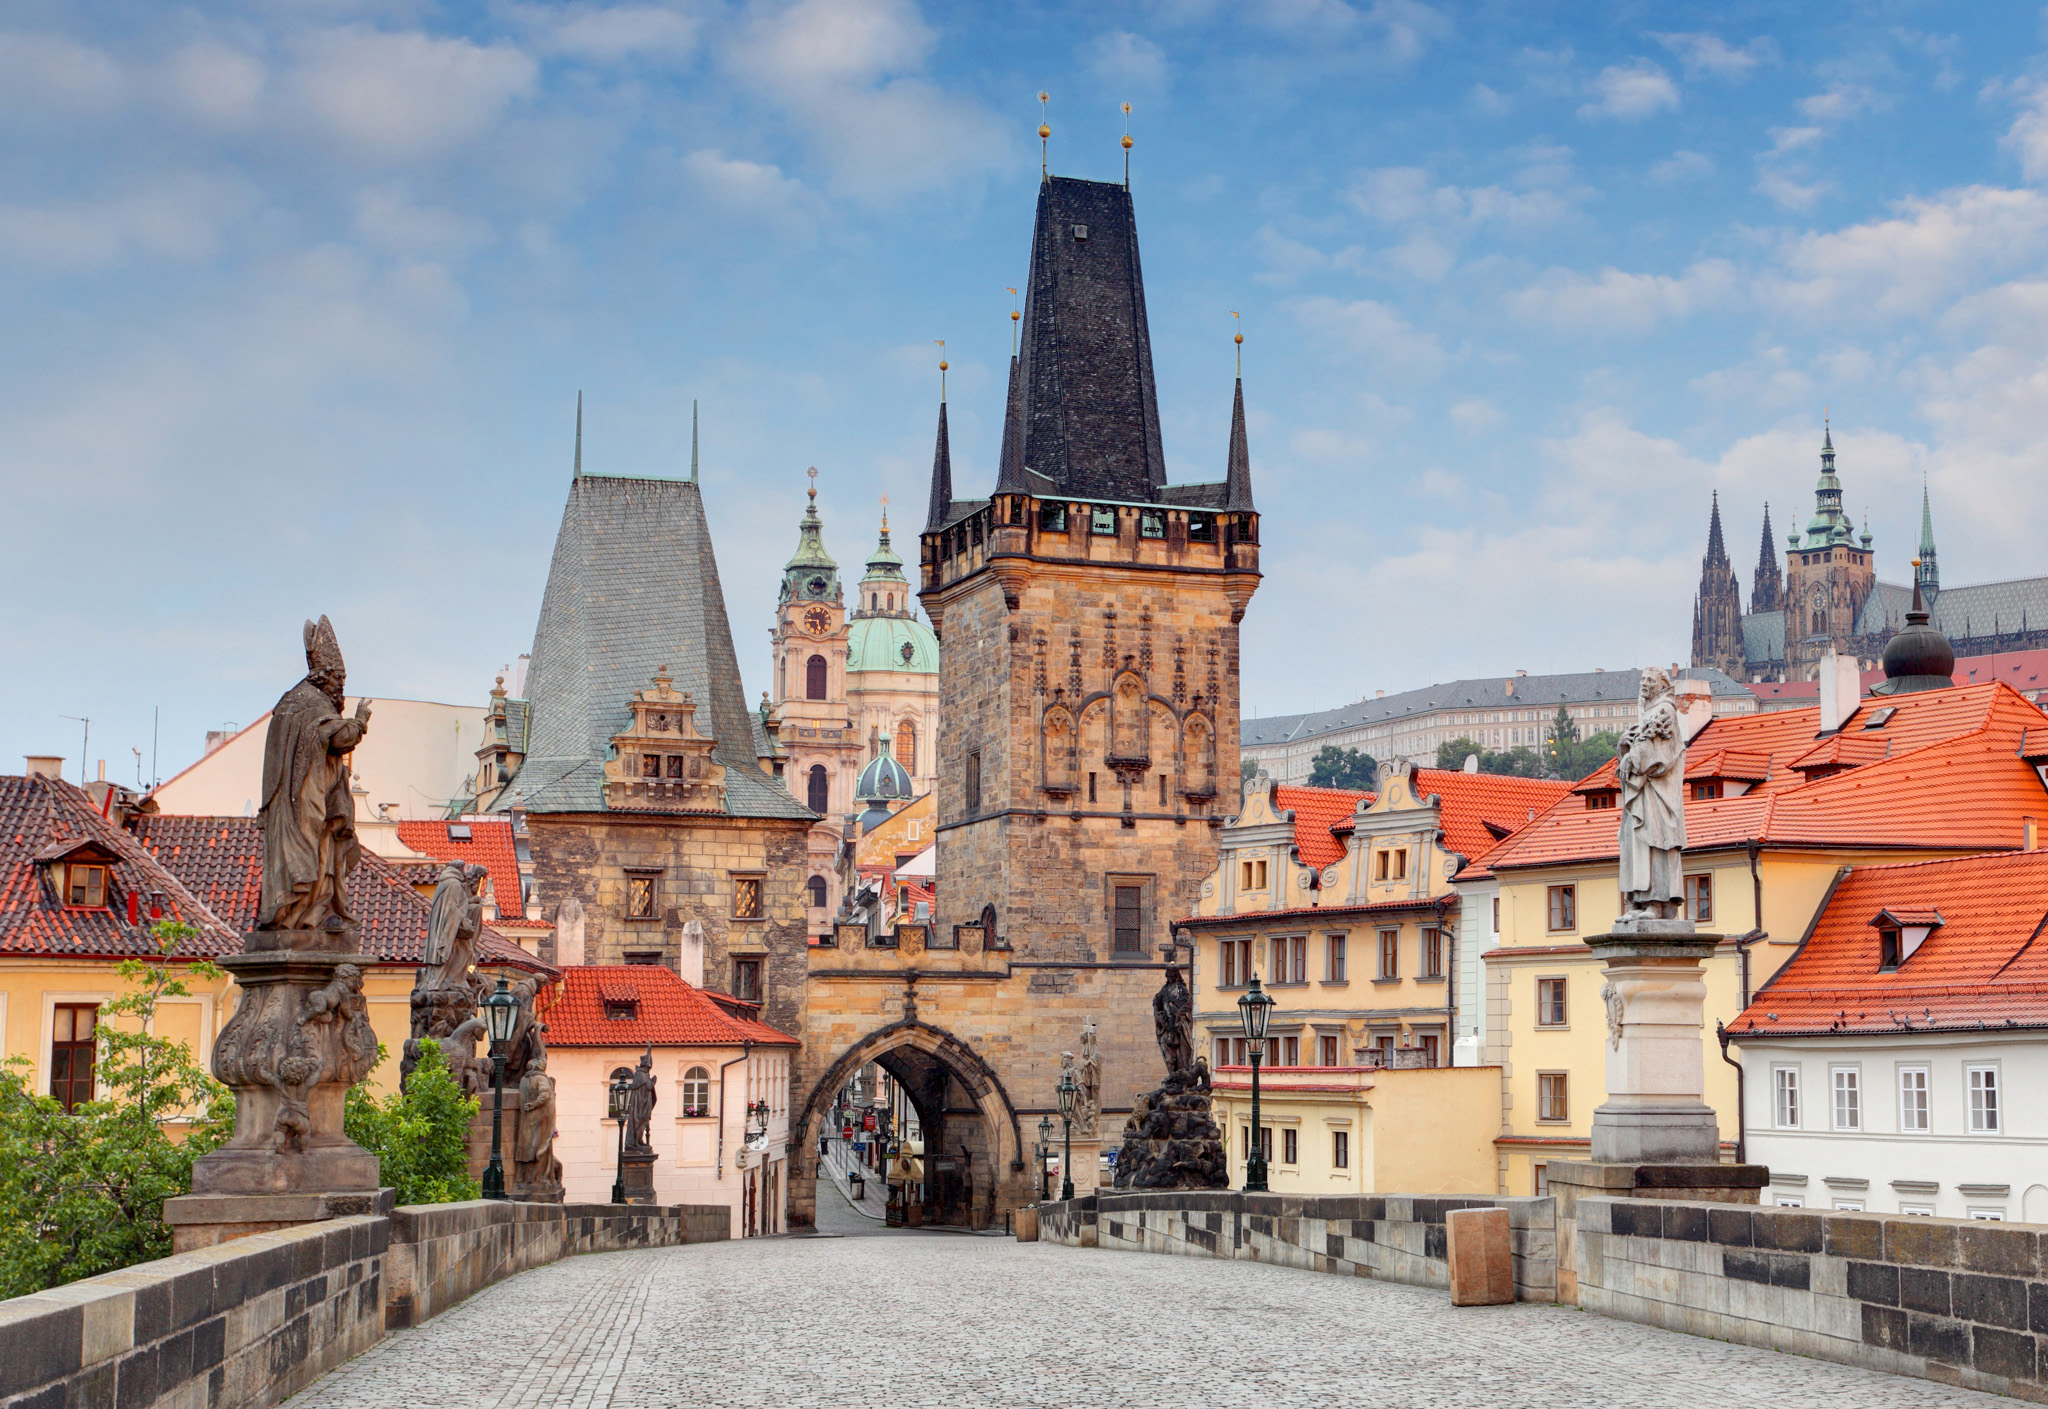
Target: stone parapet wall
1959 1302
442 1253
242 1323
1394 1237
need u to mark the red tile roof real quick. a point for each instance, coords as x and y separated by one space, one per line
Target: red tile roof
1469 802
47 816
490 845
1951 779
2025 671
1316 811
671 1013
220 859
1984 966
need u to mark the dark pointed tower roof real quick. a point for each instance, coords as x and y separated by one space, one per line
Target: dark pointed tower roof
1087 420
1919 657
810 571
1237 479
1010 465
1767 587
942 475
1717 548
1829 524
1927 576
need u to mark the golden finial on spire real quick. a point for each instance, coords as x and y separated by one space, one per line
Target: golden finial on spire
1015 316
1238 338
941 342
1127 146
813 473
885 513
1044 132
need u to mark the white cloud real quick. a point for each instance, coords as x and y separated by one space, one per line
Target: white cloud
388 218
1475 414
1542 194
756 188
1913 262
214 82
43 72
1841 100
1619 302
1788 192
1394 31
1373 331
2028 135
1127 61
1711 55
1636 89
1682 166
833 42
408 95
610 34
179 216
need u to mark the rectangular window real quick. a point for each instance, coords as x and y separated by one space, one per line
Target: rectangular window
974 783
72 1041
1550 1002
1326 1051
1151 523
1887 950
1052 518
1333 958
1130 913
1564 908
650 765
1785 1097
1091 787
1287 1052
1401 864
1541 1181
1290 1146
1988 1215
1162 790
640 893
1913 1100
676 764
1699 898
1340 1149
1379 865
1432 952
1201 528
1984 1100
1707 790
1290 959
1432 1047
746 980
1102 521
644 958
1847 1085
1553 1103
1222 1058
86 886
746 897
1496 914
1390 953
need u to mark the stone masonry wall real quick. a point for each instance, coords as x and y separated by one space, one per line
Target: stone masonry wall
1964 1303
243 1323
1394 1237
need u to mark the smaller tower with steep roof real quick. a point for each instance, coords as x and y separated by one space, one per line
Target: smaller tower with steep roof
1927 576
1829 574
1717 610
1767 589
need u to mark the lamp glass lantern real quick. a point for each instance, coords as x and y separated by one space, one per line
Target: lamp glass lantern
615 1108
1254 1009
501 1012
1044 1154
1069 1091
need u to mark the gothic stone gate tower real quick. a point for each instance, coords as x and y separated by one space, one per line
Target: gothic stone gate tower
1088 749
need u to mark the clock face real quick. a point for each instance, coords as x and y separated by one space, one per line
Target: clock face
818 620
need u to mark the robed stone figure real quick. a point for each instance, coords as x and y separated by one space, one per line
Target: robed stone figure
455 920
308 815
640 1106
1651 770
1173 1020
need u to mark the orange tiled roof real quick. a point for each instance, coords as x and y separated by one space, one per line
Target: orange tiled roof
1950 778
1469 801
1984 966
1316 811
490 845
671 1013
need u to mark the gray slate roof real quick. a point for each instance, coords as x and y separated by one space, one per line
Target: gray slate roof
1531 691
1763 637
633 587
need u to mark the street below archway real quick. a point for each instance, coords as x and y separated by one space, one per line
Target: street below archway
954 1320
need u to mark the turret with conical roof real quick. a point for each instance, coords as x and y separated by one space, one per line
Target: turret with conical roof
810 573
1927 576
1829 524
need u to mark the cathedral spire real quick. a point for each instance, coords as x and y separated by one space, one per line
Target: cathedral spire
693 447
1717 609
1926 576
1717 548
1829 524
1766 589
1237 492
942 475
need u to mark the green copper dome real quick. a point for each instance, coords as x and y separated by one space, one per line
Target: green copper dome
891 643
810 573
883 780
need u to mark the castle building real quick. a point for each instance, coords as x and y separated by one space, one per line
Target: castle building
1830 599
1087 738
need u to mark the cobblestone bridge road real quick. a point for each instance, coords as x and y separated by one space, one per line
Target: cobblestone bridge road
956 1321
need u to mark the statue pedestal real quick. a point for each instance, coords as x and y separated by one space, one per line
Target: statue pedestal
1087 1173
202 1220
639 1176
1655 997
1171 1140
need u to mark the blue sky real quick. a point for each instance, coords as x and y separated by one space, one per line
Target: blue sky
297 300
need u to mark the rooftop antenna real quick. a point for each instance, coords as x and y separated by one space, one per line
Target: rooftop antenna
941 342
1014 317
1238 338
1127 146
693 440
1044 135
83 748
579 435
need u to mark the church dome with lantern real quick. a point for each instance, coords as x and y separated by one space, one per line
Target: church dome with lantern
883 632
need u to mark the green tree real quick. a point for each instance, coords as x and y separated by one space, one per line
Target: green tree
1521 762
1247 769
83 1193
1564 730
420 1135
1575 760
1333 767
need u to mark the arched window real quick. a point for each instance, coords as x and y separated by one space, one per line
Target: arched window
820 789
697 1091
874 600
892 601
818 891
814 678
906 746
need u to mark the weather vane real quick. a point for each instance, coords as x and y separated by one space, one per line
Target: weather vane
1127 146
941 342
1238 338
1044 132
813 473
885 513
1014 317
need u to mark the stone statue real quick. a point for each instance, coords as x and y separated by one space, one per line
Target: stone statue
1651 770
1173 1019
454 924
640 1106
1088 1105
308 814
537 1173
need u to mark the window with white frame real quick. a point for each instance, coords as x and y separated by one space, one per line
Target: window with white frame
1785 1097
1984 1105
1847 1085
1912 1100
1988 1215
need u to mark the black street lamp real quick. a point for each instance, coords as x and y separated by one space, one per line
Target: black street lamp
501 1010
1068 1089
1254 1008
1045 1159
615 1107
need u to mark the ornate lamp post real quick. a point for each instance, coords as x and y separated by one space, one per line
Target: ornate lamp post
615 1107
1044 1159
1254 1008
501 1010
1068 1089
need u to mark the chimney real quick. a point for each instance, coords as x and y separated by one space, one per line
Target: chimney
1521 675
1695 700
690 954
103 770
1841 690
1379 694
215 738
45 765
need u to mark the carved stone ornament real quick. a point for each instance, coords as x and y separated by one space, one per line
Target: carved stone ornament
1171 1140
664 767
1088 1104
640 1106
1610 998
308 812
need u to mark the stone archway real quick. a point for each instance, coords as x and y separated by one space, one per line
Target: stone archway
912 1051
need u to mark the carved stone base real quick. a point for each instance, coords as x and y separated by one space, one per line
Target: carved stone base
300 1037
1670 1133
639 1170
536 1183
202 1220
1171 1140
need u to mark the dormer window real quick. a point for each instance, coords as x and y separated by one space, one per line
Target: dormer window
85 885
458 831
1706 790
1877 720
622 1009
1600 801
1887 950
